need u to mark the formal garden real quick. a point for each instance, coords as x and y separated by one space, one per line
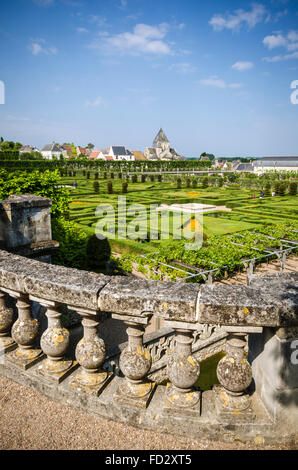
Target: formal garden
80 194
230 237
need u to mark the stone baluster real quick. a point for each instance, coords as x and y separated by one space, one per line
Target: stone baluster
25 332
234 375
90 354
54 343
183 372
6 320
135 362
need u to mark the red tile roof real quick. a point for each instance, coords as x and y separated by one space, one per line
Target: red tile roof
94 155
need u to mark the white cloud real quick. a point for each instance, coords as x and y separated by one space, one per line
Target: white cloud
82 30
35 48
242 65
279 58
293 36
148 100
138 90
293 46
235 85
280 14
183 68
289 42
217 82
97 102
10 117
145 39
43 3
38 46
239 18
214 81
274 41
97 19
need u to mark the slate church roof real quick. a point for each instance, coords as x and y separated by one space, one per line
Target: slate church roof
161 137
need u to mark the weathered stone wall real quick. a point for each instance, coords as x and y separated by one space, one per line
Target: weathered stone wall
24 220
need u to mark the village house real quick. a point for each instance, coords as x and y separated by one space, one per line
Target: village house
83 151
139 155
100 154
51 151
120 153
28 149
67 150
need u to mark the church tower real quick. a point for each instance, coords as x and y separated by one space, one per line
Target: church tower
161 141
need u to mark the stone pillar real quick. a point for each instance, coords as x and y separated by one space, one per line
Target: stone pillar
25 333
25 226
183 372
6 320
90 354
234 375
274 357
54 343
135 362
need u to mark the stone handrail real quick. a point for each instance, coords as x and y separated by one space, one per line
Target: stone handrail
268 301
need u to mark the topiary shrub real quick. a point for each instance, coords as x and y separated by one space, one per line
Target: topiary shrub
124 187
293 188
267 191
109 187
276 187
96 187
205 183
72 244
282 189
98 252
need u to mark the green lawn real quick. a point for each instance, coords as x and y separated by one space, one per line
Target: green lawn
246 212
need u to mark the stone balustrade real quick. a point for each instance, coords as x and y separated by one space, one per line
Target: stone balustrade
242 404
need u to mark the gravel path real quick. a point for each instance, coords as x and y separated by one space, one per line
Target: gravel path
31 421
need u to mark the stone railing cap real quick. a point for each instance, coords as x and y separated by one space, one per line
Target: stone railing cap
24 200
268 304
169 300
50 282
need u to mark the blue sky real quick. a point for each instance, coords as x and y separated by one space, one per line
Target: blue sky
215 75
